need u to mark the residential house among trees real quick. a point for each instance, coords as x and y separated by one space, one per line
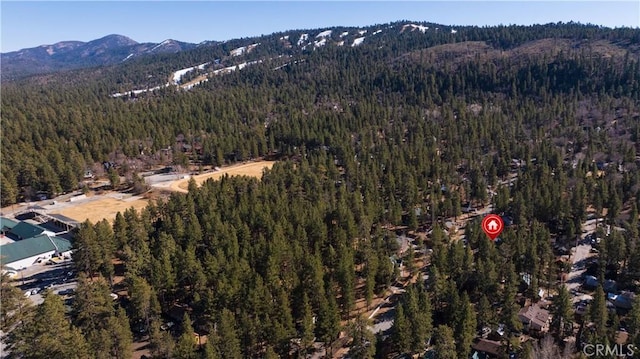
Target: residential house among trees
534 318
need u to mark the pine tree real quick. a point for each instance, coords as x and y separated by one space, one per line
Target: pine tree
307 325
210 351
161 342
52 338
401 334
445 346
466 327
93 305
634 322
186 345
562 313
486 314
228 343
14 305
141 297
119 329
364 342
598 312
328 324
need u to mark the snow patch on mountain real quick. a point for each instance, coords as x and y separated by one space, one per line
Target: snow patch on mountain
159 45
453 31
376 32
357 41
127 58
137 92
239 51
320 43
362 32
178 74
325 33
413 27
243 50
191 85
303 38
344 34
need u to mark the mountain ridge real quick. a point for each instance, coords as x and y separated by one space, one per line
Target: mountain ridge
117 49
70 55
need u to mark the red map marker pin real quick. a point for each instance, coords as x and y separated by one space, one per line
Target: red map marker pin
492 225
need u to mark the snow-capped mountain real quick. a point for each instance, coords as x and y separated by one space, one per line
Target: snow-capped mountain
66 55
116 49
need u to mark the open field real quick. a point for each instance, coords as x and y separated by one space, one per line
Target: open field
252 169
103 208
106 206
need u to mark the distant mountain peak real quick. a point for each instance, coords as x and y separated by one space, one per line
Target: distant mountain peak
109 49
114 40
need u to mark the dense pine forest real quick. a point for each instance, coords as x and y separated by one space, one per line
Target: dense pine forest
397 136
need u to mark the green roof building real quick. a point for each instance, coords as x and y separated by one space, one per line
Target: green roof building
24 253
24 230
6 224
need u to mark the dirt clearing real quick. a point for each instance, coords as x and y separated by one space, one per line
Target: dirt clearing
252 169
103 208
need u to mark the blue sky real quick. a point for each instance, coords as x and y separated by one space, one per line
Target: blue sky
29 23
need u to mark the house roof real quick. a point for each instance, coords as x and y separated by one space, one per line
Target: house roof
487 346
65 219
591 281
7 223
24 230
623 300
31 247
621 337
534 314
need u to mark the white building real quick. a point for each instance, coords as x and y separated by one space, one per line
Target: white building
24 253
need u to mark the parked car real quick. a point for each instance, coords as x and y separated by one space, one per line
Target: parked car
581 309
67 291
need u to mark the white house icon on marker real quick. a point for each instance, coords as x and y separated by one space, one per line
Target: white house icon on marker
492 226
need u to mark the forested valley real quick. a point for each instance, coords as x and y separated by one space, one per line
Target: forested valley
397 136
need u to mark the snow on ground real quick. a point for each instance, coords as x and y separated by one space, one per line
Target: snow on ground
341 43
321 43
127 58
344 34
413 27
160 44
242 50
325 33
376 32
239 51
288 63
286 37
178 74
241 66
190 86
362 32
358 41
303 38
137 92
453 31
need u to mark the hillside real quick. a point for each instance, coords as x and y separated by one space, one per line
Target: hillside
390 142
